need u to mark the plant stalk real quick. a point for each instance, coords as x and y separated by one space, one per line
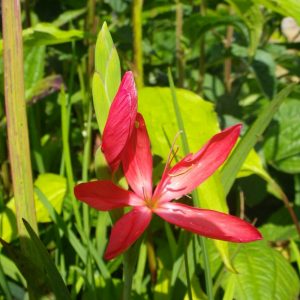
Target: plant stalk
137 42
17 127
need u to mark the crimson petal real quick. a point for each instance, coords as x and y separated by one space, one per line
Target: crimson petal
104 195
120 121
127 230
193 169
209 223
137 160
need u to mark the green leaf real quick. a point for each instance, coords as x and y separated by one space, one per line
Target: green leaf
288 8
107 76
53 187
33 72
272 232
282 145
263 274
199 127
264 68
68 16
239 154
47 34
48 268
251 14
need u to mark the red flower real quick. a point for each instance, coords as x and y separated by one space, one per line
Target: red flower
176 182
120 121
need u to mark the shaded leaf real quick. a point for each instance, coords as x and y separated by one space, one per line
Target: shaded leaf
282 145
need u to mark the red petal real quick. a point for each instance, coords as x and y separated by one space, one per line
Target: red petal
137 160
104 195
127 230
120 121
193 169
208 223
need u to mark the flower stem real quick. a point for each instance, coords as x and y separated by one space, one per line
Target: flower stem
129 262
186 265
208 281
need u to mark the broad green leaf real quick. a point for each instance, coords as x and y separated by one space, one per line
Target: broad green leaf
288 8
107 76
156 106
251 14
201 125
53 187
263 274
241 151
282 145
272 232
197 25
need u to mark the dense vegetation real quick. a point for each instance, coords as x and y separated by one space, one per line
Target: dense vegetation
234 61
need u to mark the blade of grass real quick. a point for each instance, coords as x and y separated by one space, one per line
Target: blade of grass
53 277
67 154
208 279
239 154
17 127
76 244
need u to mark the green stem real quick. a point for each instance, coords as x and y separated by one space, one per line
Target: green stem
186 265
202 53
18 141
67 155
137 42
179 49
129 263
208 278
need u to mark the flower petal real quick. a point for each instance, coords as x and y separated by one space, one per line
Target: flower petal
193 169
208 223
127 230
120 121
104 195
137 160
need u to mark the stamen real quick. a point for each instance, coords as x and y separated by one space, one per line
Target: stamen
182 172
172 152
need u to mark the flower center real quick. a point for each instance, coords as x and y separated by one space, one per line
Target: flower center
150 203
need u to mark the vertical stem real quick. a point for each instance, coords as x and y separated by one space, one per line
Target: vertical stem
208 279
67 156
179 49
18 141
137 42
129 263
297 189
228 61
202 53
186 264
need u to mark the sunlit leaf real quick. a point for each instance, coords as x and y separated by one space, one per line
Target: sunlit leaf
263 274
107 76
53 187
